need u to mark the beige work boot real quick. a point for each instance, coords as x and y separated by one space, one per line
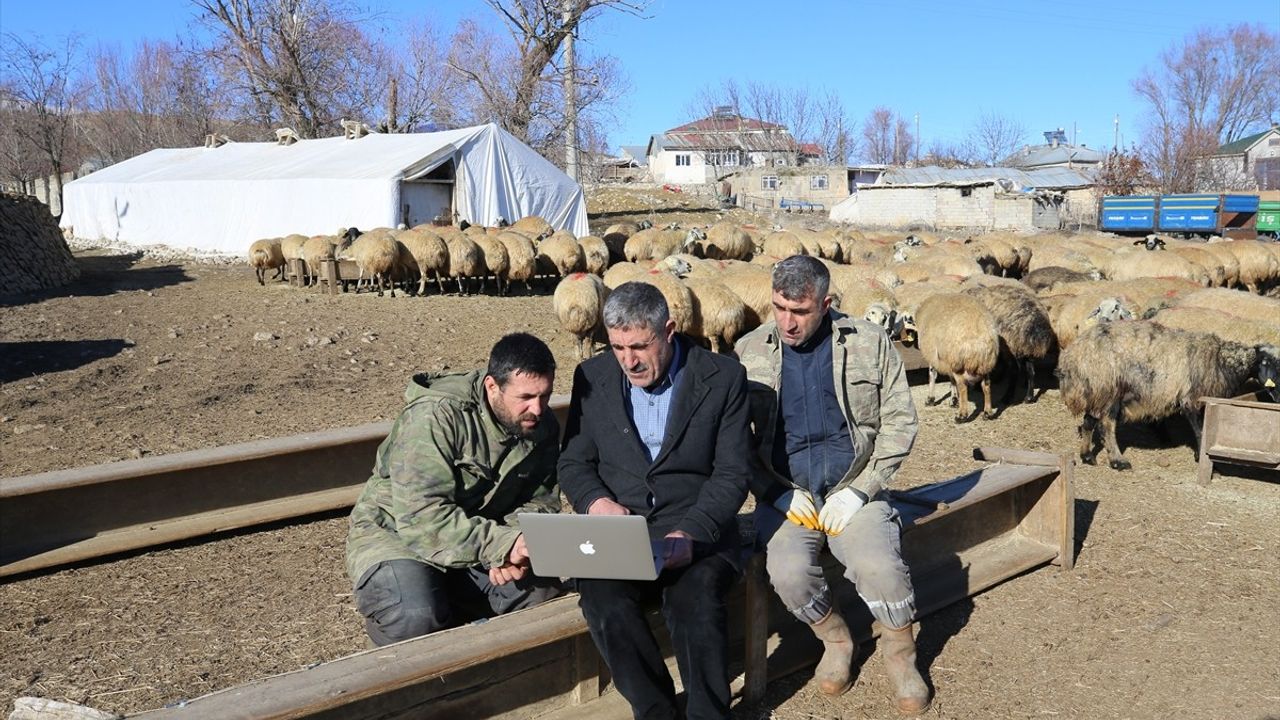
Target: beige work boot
910 694
839 648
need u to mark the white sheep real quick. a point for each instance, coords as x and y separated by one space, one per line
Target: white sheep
522 258
958 338
579 304
266 255
726 241
595 254
466 259
719 316
376 255
430 255
496 260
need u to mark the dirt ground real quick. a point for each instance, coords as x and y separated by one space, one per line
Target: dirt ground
1171 610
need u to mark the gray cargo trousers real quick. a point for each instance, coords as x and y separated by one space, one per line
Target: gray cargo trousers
869 549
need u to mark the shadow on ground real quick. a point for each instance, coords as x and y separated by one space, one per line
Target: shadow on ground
21 360
106 275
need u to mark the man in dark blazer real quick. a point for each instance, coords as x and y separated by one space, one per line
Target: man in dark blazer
658 427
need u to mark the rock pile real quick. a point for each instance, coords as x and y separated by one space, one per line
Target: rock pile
33 255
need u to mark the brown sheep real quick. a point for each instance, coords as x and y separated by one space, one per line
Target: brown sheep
533 226
1141 371
1022 322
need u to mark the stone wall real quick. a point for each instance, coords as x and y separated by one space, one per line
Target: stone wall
33 255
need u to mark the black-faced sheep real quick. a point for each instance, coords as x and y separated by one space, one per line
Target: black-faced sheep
958 338
1140 371
266 255
376 254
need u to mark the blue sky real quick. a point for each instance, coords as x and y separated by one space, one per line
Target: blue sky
1046 65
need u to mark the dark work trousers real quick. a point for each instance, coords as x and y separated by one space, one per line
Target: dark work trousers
693 605
402 599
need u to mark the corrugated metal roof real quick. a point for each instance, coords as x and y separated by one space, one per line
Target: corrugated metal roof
1031 156
635 152
934 175
1243 144
732 123
749 141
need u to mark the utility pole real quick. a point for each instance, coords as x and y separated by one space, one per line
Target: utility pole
917 138
570 99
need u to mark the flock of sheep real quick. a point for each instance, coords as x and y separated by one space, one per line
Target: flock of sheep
1138 330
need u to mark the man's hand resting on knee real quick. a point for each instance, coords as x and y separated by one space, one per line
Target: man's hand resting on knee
797 505
839 510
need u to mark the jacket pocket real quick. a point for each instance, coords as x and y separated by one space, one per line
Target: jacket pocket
863 392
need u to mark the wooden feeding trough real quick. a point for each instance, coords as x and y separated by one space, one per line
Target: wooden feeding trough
960 537
1239 431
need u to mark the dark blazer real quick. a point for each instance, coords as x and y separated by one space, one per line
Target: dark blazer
698 481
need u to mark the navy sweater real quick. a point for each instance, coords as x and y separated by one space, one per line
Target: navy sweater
815 450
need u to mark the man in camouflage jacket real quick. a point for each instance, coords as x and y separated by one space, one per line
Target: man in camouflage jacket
434 531
832 420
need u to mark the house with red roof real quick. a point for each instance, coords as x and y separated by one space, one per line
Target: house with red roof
705 150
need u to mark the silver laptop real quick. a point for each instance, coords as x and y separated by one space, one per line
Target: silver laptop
607 547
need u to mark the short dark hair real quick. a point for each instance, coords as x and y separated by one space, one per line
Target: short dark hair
520 353
801 276
634 305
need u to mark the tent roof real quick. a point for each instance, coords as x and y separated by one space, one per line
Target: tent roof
375 156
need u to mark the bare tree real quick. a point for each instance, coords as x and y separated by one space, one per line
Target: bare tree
1211 87
1122 173
36 81
515 90
886 137
948 155
995 137
425 90
304 63
157 96
833 133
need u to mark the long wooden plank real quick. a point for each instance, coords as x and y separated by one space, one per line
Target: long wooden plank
974 537
135 504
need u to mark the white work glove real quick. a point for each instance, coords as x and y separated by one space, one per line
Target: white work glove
797 505
838 511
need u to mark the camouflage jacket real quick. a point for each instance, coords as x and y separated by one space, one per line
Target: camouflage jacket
871 385
448 481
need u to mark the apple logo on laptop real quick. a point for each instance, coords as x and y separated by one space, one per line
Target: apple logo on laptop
587 548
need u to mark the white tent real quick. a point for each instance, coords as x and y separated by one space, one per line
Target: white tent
222 199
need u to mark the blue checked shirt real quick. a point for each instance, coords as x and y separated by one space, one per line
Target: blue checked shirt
649 408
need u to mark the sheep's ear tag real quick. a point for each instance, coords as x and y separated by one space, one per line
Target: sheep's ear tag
1269 383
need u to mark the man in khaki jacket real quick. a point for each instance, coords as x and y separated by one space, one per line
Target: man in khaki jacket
832 419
